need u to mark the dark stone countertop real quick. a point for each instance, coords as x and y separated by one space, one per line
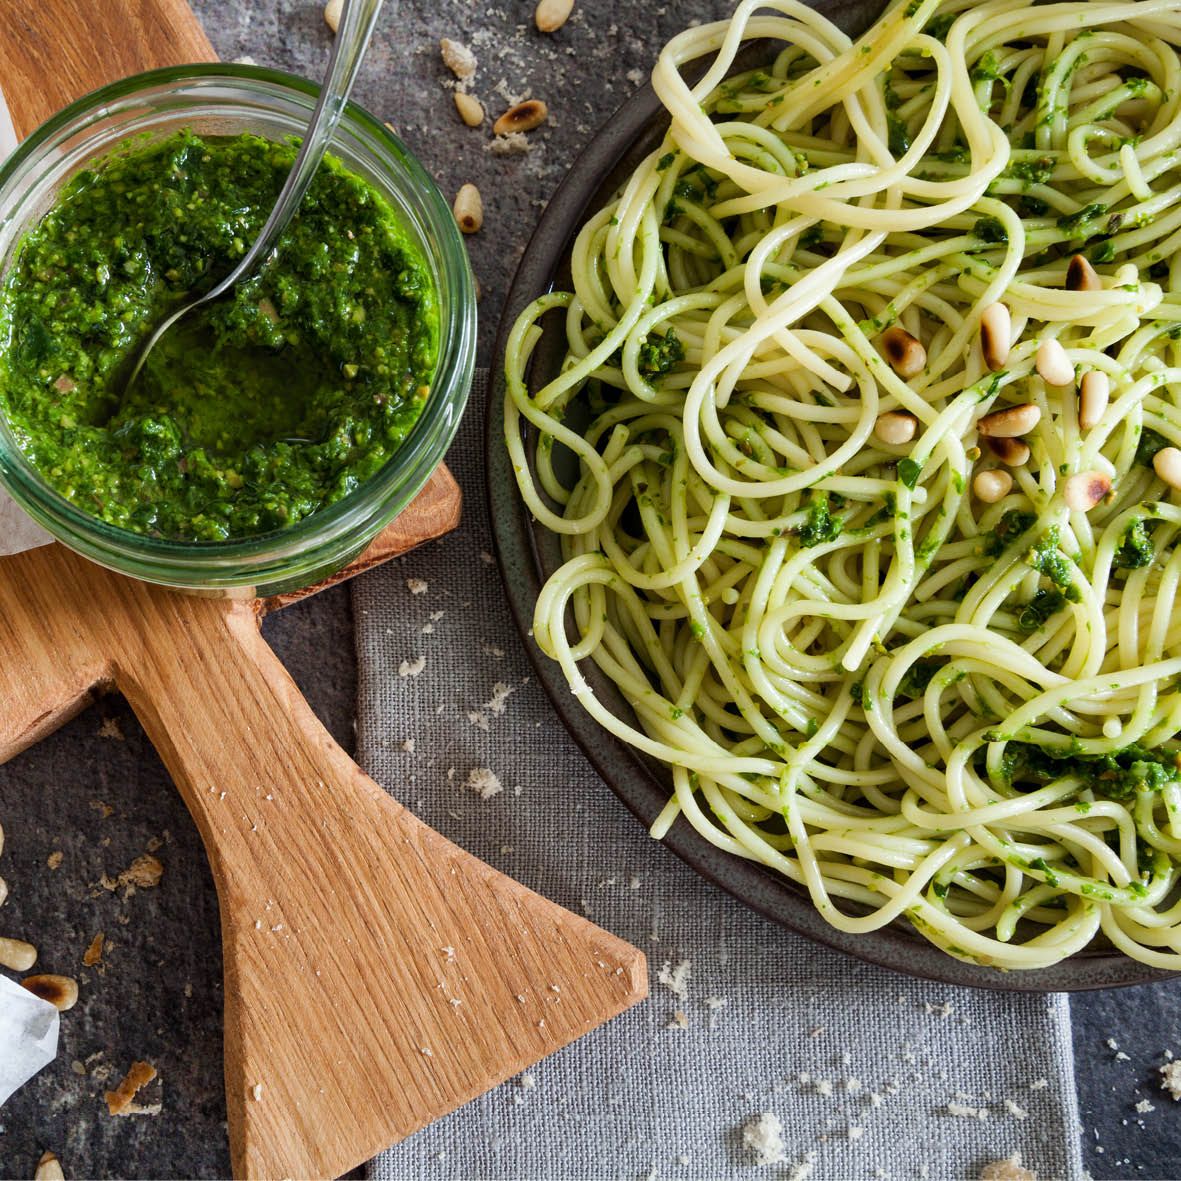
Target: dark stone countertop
103 800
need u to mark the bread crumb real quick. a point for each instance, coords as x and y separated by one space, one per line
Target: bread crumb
54 859
1010 1169
94 952
458 58
411 668
680 1020
763 1135
416 586
1144 1107
256 1092
967 1111
484 782
676 980
527 1082
509 145
143 873
1170 1075
408 746
1015 1109
119 1101
110 729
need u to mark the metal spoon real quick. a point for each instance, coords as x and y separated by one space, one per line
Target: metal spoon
352 39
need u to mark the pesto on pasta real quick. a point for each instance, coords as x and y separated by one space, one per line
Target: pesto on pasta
875 522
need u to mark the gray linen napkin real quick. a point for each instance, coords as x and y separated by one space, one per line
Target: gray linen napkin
871 1074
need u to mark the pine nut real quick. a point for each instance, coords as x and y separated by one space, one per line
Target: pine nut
1011 452
49 1168
1081 276
992 485
1093 396
17 954
996 334
896 427
905 353
60 991
470 109
551 15
332 12
523 117
469 209
1084 490
1011 422
1167 464
1053 365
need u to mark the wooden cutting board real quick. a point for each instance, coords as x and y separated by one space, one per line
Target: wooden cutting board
376 976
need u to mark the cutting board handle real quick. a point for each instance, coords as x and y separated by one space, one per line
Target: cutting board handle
376 975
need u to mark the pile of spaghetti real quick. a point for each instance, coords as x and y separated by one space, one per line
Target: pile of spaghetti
875 521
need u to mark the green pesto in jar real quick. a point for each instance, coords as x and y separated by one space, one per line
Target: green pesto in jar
251 414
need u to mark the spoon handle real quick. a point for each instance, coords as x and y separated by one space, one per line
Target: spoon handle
352 39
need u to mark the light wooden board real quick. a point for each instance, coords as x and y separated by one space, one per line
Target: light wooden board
348 926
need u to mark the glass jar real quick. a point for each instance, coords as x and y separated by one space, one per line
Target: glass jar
226 100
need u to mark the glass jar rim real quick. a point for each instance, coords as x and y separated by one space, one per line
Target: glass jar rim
200 562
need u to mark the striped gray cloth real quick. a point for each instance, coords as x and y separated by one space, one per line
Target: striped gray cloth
869 1073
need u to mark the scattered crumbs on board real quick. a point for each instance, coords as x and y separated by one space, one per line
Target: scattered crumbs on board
416 586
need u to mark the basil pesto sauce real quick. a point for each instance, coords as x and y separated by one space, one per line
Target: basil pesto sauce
251 414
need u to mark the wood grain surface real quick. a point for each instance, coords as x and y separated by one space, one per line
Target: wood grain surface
377 976
350 929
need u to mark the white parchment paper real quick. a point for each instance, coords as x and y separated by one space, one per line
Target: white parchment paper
28 1035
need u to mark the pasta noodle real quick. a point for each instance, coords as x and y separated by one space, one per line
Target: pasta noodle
918 693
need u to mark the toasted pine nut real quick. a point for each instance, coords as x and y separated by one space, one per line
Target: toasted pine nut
905 353
996 333
1081 276
332 12
1084 490
1011 452
17 954
469 209
1053 365
49 1168
523 117
60 991
896 427
470 109
1093 396
1010 422
992 485
1167 464
551 15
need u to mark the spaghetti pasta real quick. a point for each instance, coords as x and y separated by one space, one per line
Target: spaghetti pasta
916 694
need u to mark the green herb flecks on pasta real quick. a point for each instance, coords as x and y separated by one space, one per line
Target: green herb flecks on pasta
914 700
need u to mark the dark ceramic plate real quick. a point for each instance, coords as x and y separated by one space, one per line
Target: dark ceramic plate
529 553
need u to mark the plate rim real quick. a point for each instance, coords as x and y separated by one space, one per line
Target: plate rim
749 883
